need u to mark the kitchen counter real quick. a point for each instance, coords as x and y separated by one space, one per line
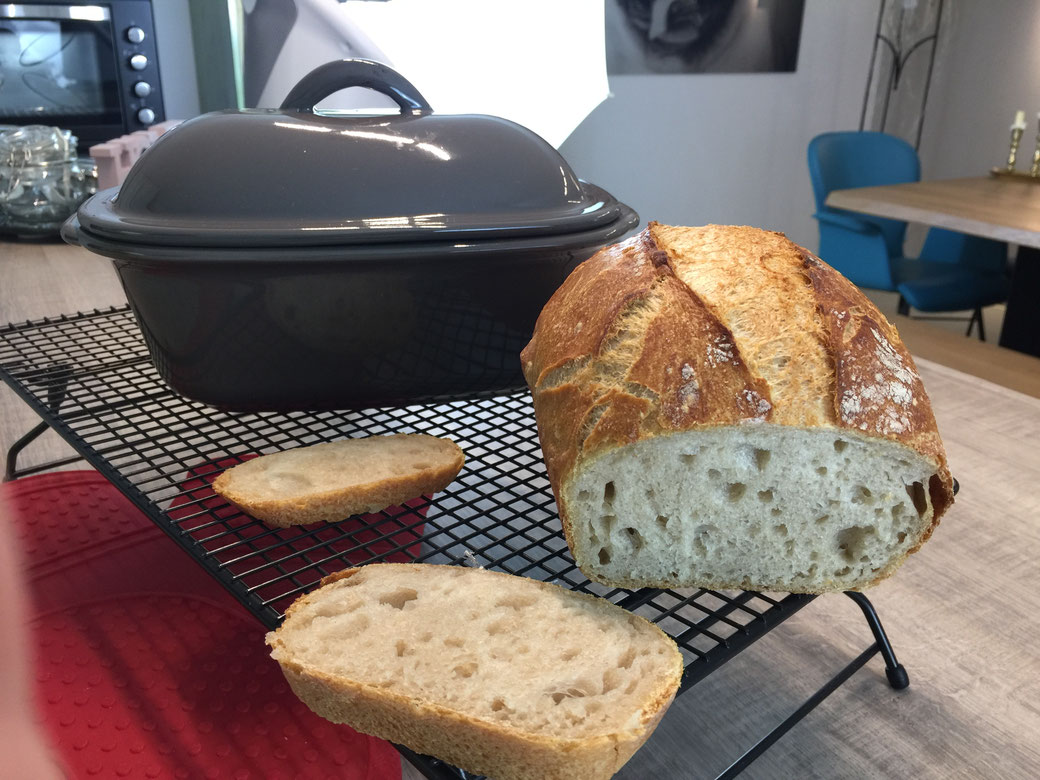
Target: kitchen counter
960 614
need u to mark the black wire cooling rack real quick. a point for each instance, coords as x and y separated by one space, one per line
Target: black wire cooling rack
90 378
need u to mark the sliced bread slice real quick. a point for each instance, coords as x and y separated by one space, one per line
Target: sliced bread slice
330 482
501 675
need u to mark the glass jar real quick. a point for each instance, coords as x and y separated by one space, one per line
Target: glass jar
42 180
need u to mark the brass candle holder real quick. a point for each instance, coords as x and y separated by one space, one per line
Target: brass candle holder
1016 138
1034 170
1017 130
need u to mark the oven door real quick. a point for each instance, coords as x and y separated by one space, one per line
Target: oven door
58 67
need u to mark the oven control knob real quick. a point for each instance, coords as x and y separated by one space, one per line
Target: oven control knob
138 62
142 89
146 116
134 34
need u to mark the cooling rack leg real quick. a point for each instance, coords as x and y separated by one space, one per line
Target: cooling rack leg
57 378
810 704
432 768
897 676
11 470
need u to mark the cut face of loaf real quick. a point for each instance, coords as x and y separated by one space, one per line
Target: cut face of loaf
719 408
768 506
497 674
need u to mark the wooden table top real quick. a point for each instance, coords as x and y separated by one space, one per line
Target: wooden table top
989 206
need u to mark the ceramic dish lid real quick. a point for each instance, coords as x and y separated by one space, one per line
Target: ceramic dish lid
291 176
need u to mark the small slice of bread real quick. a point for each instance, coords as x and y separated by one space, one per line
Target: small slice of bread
500 675
330 482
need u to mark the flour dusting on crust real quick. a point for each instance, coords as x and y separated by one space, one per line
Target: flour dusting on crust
720 351
884 402
690 389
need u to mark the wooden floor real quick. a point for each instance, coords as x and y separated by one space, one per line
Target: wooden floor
963 614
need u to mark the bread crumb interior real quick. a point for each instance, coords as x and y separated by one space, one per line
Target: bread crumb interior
501 649
752 505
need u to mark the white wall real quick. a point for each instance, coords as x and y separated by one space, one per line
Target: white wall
694 149
685 149
986 69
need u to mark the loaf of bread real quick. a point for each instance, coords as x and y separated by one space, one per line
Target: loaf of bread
500 675
719 408
330 482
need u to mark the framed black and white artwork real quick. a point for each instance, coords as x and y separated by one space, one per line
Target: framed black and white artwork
702 36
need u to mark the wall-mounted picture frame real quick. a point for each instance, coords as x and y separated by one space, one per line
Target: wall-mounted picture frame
702 36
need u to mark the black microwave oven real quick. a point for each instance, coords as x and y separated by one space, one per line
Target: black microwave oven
88 67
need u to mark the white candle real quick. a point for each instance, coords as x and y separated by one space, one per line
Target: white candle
1020 121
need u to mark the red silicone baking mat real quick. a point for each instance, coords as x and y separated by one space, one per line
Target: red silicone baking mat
146 667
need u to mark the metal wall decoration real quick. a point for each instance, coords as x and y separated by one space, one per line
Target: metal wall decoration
702 36
901 67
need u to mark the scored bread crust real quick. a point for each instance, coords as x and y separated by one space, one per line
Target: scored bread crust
475 744
334 502
679 329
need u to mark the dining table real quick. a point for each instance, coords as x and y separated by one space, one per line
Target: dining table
997 206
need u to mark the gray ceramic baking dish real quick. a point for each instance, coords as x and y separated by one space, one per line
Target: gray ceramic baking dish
285 259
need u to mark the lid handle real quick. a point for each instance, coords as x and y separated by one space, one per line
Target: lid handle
340 74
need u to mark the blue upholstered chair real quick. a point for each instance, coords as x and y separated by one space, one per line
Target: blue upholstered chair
954 272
